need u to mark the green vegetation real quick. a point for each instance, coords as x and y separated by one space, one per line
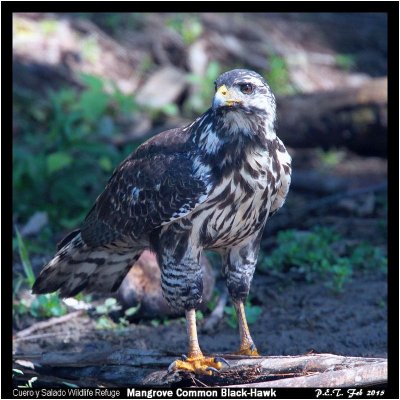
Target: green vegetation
277 76
67 131
41 306
252 314
164 321
323 255
111 305
216 293
345 61
114 23
201 99
188 27
252 311
26 264
29 383
330 158
58 138
48 26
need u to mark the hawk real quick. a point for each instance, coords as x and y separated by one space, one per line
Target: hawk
210 185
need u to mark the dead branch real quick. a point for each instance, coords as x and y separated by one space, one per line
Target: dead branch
333 199
317 182
364 375
46 324
38 336
138 367
294 216
217 314
354 117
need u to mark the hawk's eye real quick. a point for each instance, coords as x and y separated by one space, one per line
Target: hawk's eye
215 86
246 88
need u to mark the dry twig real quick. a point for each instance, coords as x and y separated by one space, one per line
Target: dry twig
46 324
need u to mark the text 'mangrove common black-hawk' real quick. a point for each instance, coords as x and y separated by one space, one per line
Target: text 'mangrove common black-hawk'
210 185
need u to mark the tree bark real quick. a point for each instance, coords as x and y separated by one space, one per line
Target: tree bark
132 367
355 118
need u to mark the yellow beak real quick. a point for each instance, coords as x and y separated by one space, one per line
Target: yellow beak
223 97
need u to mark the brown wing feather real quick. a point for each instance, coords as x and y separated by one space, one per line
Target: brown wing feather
154 185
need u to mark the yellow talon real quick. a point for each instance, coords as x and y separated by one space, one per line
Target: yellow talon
247 347
196 362
199 365
248 351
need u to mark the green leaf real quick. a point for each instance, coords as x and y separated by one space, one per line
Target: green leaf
57 161
92 81
252 314
109 305
93 104
72 223
170 109
105 163
18 371
345 61
106 126
102 309
126 103
15 243
132 310
105 323
213 70
122 322
47 305
23 253
232 320
110 302
199 315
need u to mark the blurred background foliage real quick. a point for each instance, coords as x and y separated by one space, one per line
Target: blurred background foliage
90 87
64 123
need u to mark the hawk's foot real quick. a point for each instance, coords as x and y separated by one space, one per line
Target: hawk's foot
198 364
248 350
247 347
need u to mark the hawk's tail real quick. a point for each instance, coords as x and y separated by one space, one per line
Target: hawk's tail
78 267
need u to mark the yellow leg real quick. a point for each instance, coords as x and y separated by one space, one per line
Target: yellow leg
194 348
196 362
247 346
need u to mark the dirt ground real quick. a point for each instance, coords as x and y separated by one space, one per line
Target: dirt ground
297 318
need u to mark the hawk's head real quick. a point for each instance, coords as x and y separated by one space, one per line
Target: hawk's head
242 115
241 91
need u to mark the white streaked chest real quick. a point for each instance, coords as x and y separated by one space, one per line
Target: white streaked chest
233 209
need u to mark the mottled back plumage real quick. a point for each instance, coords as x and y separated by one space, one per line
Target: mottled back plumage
209 185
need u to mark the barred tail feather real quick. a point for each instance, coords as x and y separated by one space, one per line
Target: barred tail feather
77 267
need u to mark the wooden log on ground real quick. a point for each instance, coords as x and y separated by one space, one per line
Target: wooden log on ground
132 367
295 216
354 117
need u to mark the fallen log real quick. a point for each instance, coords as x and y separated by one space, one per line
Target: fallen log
296 216
365 375
132 367
355 118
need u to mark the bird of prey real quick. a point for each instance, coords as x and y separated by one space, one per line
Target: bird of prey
210 185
